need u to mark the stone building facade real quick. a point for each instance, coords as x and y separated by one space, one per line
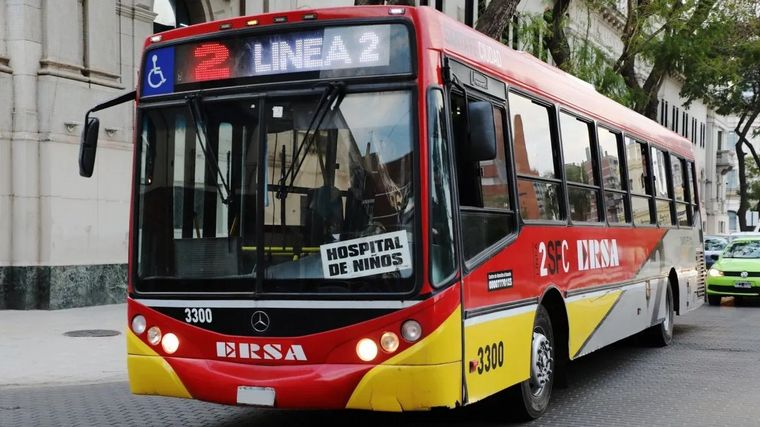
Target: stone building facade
64 239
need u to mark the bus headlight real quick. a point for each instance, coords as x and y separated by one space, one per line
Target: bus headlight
138 324
389 342
154 335
714 272
366 349
411 330
170 343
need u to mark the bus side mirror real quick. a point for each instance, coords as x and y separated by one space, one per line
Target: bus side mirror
482 131
88 145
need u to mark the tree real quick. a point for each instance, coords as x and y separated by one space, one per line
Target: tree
725 74
496 17
655 35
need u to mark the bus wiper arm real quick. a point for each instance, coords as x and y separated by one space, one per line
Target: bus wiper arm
330 100
194 105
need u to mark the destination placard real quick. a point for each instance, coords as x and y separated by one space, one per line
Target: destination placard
367 256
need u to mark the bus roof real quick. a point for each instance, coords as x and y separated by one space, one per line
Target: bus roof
470 46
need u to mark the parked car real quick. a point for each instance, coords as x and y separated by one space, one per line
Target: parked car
714 245
737 272
738 234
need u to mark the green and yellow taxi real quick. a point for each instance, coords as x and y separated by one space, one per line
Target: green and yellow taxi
737 271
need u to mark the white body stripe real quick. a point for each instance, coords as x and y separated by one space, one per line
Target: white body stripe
390 305
509 312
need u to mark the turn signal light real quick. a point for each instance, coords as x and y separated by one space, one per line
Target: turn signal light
154 335
138 324
389 342
411 330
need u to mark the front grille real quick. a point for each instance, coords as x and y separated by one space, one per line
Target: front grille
739 273
733 290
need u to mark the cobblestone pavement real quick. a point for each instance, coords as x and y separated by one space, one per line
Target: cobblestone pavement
709 377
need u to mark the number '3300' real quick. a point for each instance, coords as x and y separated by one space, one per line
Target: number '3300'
490 357
198 315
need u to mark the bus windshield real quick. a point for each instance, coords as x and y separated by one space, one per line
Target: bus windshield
334 212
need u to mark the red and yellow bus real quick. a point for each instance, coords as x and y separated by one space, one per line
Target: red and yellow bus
381 208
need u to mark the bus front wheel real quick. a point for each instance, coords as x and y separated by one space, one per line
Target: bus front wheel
531 397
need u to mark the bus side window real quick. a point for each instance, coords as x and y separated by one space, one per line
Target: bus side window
680 191
611 154
538 179
638 182
485 201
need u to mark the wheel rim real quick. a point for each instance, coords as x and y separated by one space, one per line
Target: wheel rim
541 368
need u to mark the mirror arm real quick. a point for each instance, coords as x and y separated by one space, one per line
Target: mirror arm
129 96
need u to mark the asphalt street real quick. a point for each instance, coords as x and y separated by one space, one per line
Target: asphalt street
710 376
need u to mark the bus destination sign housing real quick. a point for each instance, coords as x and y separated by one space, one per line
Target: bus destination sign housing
327 52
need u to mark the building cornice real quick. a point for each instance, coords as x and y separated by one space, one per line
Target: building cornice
612 16
49 67
139 12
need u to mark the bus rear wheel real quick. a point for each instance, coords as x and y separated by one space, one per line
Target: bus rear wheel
530 399
661 335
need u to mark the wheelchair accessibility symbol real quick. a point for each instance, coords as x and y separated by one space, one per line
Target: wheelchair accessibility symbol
158 72
156 77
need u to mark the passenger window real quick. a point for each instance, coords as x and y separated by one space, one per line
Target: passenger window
661 185
485 202
615 197
683 208
580 168
538 187
637 160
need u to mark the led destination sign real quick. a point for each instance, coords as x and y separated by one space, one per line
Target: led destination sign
331 51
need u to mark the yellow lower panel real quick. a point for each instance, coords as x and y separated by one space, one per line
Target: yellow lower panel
408 388
149 373
501 348
584 315
426 375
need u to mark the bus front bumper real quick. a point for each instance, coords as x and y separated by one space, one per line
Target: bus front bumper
325 386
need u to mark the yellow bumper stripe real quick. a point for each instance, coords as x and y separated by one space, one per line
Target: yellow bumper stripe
149 373
427 375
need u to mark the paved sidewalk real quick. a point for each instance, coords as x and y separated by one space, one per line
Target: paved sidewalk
34 351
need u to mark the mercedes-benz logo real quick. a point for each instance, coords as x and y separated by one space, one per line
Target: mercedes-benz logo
745 274
260 321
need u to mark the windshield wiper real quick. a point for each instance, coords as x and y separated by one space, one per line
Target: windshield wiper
194 105
331 99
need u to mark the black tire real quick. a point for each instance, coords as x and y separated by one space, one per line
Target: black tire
713 299
738 301
661 334
529 399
